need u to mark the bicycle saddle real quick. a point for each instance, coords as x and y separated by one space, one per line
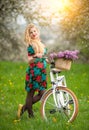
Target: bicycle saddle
55 70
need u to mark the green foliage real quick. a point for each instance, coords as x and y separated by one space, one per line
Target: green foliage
12 76
71 22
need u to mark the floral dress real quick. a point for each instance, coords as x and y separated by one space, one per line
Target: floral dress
36 72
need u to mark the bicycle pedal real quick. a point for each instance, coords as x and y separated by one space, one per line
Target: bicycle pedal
52 111
70 101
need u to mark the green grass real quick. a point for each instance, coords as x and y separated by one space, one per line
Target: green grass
12 76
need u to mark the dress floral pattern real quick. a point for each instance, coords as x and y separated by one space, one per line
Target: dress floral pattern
36 72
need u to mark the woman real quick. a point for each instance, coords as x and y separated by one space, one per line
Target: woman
36 71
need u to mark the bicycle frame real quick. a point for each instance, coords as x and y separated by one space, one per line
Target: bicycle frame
58 81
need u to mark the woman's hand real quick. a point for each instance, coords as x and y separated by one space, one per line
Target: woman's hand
48 61
38 55
31 59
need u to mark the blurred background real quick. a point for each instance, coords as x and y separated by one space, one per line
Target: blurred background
63 25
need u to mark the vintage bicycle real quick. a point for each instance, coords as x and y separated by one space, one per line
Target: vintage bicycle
59 102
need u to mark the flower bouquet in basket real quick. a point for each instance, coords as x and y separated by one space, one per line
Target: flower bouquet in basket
63 59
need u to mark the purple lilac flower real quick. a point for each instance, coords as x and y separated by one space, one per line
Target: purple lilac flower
60 54
71 55
53 55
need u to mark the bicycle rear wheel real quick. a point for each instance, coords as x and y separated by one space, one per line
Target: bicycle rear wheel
65 110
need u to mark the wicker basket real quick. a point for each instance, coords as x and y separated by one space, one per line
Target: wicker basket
63 64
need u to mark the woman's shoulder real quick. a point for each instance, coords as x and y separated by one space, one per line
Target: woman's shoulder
28 46
30 49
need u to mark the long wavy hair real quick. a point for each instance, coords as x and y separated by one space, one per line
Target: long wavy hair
36 44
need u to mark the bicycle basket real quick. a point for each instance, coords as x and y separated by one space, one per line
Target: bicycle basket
63 64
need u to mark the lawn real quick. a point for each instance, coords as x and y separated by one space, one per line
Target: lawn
12 77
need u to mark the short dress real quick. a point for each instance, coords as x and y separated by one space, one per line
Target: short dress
36 72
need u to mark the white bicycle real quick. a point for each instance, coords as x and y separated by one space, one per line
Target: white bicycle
59 102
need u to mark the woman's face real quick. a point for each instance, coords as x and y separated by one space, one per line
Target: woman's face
34 33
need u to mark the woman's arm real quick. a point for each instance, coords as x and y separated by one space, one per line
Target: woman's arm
30 59
39 55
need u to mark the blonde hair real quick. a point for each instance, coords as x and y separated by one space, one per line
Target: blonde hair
36 44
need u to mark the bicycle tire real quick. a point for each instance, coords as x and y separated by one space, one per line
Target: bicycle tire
46 113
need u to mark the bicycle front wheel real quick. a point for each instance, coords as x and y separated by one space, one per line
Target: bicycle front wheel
63 108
